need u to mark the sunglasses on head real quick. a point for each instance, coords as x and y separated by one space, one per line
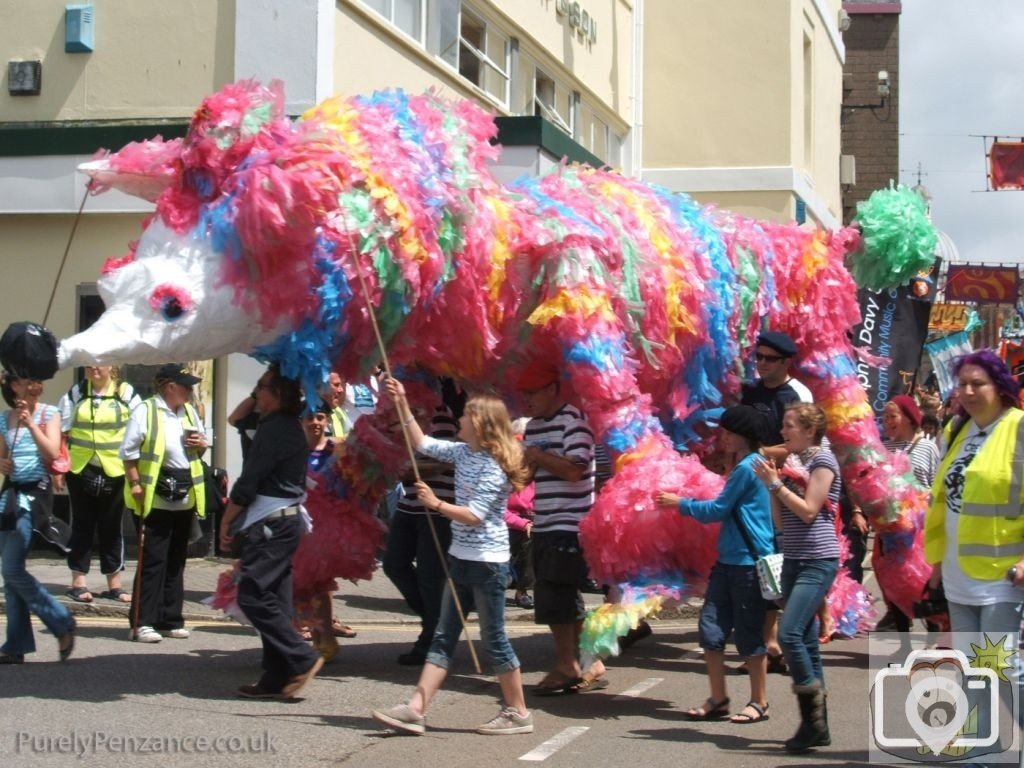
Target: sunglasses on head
761 358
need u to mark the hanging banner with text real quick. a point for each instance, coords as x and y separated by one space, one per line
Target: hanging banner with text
893 325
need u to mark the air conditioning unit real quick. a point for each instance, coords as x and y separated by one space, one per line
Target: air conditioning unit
848 170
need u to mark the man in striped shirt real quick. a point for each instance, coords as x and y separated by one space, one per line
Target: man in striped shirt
559 448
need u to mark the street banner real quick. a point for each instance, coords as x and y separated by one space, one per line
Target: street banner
894 325
943 352
1006 165
948 318
983 285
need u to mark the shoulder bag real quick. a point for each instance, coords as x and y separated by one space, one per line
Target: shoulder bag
768 567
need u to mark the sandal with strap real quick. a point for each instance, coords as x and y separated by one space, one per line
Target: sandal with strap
709 710
117 594
79 594
741 718
589 683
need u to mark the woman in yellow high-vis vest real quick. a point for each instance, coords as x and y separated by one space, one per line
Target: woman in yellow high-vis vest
164 486
94 415
974 530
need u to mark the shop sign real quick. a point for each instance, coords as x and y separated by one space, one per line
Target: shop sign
579 19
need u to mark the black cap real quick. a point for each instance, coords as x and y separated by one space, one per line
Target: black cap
780 342
745 421
178 373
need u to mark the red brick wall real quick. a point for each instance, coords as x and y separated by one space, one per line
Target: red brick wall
871 135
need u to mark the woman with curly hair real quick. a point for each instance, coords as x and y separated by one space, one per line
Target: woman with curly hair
488 465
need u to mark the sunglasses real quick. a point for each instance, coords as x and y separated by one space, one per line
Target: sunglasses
768 358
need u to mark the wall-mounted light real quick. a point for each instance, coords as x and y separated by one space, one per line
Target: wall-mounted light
843 21
883 91
24 78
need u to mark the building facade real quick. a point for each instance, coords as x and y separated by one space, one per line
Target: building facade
734 102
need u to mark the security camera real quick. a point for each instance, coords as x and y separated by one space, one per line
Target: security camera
883 83
843 20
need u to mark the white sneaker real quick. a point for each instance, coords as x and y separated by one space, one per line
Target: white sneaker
508 722
146 635
402 718
178 634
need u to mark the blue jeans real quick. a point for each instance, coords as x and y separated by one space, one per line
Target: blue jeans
805 583
482 585
24 594
412 563
733 603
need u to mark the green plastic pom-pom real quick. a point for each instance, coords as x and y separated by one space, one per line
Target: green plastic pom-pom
898 240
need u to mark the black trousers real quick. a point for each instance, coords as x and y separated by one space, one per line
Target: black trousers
265 597
96 516
160 581
412 563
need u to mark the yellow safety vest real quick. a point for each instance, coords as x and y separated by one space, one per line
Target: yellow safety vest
98 430
339 424
151 458
990 529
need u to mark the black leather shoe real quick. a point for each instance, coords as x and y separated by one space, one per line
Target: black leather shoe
12 658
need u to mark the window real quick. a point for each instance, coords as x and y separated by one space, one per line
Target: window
483 56
553 101
407 15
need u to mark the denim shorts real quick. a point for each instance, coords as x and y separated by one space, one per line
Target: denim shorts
733 602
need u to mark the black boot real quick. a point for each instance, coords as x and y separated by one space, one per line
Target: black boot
813 730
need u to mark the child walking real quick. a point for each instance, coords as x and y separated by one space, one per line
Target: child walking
733 601
488 465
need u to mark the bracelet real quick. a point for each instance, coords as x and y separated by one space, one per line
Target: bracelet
774 487
409 421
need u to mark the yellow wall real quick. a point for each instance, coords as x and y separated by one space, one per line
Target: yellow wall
715 78
132 72
724 88
31 251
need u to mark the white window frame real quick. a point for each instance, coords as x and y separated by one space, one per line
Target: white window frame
389 17
483 58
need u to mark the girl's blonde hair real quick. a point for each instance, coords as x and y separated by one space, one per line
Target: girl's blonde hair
493 428
810 416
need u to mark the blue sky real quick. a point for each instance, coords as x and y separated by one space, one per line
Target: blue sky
962 73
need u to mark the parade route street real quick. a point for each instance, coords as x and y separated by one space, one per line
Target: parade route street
174 704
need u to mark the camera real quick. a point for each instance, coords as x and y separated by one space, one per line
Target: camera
932 603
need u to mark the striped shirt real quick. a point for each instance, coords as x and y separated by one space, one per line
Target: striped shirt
560 505
443 427
482 485
923 455
28 464
817 540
